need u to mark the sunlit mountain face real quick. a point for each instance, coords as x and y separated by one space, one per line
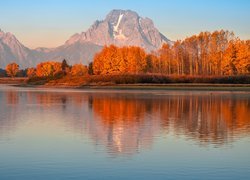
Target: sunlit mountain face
120 28
126 123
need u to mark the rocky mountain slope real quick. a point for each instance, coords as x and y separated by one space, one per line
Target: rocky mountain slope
120 27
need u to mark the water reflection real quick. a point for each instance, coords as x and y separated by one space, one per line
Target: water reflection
133 120
128 122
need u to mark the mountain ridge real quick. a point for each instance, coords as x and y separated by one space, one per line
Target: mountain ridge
120 28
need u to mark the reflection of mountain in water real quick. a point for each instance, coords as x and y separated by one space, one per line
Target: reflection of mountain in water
128 122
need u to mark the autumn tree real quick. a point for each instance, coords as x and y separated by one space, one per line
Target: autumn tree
12 69
177 60
31 72
99 61
243 57
44 69
115 60
136 60
203 43
79 70
216 53
208 53
49 68
165 60
153 65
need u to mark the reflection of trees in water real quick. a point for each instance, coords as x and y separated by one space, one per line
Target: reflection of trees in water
121 123
47 98
9 103
210 118
12 98
128 122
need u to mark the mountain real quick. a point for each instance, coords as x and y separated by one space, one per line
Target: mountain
120 27
78 52
11 50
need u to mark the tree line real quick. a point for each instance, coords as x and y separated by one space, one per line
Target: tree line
217 53
48 69
211 54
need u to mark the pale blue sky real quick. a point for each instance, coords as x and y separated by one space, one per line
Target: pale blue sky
49 23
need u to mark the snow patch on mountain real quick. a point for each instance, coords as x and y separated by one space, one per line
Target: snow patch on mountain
118 23
117 33
120 35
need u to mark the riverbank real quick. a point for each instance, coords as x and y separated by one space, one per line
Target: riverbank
16 80
135 82
183 86
124 79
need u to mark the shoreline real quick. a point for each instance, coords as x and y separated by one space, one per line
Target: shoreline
181 86
21 82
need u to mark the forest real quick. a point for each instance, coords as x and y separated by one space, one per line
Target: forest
217 53
206 56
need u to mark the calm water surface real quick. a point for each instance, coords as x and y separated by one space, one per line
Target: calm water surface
109 134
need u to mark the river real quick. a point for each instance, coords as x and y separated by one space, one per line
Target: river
123 134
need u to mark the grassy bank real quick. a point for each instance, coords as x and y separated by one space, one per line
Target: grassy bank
140 79
16 80
184 86
241 83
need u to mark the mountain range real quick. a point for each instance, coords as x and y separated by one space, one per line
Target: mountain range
120 27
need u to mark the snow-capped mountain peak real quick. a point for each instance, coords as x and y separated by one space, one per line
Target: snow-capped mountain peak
122 28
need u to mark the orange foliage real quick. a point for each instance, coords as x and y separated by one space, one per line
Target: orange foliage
79 70
211 117
114 60
12 97
49 68
31 72
12 69
217 53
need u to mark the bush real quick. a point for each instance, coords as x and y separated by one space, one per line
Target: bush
37 80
